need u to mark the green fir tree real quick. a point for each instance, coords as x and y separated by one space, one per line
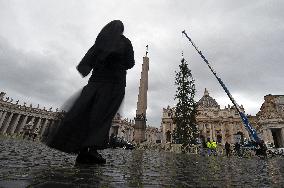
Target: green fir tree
186 130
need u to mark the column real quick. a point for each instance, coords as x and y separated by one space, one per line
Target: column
33 120
264 135
213 131
282 138
269 136
37 124
6 125
2 118
231 131
18 125
222 133
23 124
51 126
204 131
43 127
15 123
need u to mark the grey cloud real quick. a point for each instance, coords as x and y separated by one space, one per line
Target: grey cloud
33 74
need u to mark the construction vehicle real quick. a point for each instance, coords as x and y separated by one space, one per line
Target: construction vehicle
252 132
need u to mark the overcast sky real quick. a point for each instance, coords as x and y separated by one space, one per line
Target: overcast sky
42 41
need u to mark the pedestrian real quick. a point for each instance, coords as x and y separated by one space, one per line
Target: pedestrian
27 130
238 149
208 145
203 147
85 128
261 149
35 133
214 147
228 149
112 141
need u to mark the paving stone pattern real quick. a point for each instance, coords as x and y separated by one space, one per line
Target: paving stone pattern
25 163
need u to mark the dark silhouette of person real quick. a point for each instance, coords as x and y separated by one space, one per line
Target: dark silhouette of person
227 149
85 127
261 149
112 141
238 149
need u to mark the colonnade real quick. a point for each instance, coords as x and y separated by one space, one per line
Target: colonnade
13 122
14 117
122 128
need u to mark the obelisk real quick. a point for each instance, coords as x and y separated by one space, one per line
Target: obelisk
140 119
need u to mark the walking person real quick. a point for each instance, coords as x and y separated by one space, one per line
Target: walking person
85 128
214 147
208 145
261 149
203 147
228 149
238 149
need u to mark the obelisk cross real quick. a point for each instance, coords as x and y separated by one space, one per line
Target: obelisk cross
146 50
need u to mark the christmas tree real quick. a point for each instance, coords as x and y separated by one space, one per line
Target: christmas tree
186 130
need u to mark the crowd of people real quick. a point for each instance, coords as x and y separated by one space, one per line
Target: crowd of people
29 132
211 147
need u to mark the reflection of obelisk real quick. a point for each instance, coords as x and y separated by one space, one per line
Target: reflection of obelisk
140 119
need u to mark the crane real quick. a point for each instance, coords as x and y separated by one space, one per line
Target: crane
252 132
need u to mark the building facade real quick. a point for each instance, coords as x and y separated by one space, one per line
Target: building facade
122 128
153 135
15 117
213 122
125 129
271 120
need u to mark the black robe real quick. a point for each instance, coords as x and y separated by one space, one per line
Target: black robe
88 122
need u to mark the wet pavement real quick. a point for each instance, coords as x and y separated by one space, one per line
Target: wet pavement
31 164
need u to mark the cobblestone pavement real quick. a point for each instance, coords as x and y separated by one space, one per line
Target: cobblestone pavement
31 164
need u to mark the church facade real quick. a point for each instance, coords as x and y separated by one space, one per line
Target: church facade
271 120
223 125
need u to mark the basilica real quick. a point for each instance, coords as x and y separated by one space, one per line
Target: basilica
223 125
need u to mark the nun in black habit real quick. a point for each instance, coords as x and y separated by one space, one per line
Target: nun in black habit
85 127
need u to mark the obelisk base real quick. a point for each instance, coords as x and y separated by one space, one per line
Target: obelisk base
139 130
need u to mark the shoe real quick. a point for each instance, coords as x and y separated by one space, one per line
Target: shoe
98 158
91 157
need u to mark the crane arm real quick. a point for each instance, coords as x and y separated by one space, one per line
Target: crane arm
244 118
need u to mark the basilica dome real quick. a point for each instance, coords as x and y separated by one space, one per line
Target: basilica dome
207 102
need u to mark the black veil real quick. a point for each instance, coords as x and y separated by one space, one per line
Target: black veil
107 42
